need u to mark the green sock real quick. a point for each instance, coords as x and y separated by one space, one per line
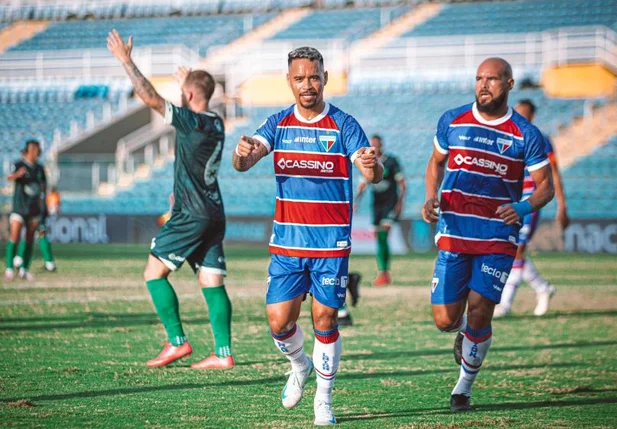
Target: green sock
219 307
45 247
21 249
383 251
27 256
10 254
167 307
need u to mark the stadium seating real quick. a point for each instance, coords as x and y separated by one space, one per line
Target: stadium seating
198 33
516 17
347 24
590 184
406 122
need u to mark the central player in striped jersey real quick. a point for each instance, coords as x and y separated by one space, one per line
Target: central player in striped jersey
484 148
314 145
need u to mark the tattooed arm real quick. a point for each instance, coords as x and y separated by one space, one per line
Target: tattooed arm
143 87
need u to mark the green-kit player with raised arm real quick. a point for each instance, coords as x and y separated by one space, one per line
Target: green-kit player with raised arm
195 231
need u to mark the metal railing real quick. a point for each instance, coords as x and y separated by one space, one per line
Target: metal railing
143 146
161 60
448 55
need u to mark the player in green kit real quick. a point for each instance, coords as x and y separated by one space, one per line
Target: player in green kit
195 231
30 184
388 197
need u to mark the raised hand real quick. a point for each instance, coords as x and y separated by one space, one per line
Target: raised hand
181 75
119 49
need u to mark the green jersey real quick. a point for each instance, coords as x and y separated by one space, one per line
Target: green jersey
199 146
385 193
29 193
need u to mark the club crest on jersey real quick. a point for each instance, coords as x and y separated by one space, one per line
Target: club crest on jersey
327 141
503 144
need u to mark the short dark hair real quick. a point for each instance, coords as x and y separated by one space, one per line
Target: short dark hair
29 142
527 102
305 52
203 81
377 136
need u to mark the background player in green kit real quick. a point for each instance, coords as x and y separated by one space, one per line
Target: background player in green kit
195 231
387 204
30 183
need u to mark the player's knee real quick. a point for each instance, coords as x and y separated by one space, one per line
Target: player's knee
445 323
281 327
155 269
324 318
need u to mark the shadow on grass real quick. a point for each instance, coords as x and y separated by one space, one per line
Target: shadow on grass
482 408
494 349
102 320
556 314
260 381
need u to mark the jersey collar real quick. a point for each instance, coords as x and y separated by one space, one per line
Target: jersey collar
317 118
498 121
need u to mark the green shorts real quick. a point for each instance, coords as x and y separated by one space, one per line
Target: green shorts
196 240
384 215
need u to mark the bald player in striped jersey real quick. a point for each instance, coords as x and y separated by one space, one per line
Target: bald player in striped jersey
480 154
524 269
314 145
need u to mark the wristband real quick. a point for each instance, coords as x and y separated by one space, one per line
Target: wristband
238 153
522 208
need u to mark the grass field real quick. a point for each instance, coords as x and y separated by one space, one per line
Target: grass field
73 347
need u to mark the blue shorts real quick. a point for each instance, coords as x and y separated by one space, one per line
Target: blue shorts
456 273
324 278
530 223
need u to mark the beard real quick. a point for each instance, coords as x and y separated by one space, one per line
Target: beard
492 106
185 102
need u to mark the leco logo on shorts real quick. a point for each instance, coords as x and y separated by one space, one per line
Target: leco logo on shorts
306 164
482 163
501 275
334 281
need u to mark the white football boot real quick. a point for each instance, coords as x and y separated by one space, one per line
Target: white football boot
324 416
292 392
9 275
543 299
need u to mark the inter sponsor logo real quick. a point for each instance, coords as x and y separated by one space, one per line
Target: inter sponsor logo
306 164
309 140
491 271
482 162
484 140
503 144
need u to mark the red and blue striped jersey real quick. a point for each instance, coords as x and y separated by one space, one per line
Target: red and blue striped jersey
314 191
529 186
485 169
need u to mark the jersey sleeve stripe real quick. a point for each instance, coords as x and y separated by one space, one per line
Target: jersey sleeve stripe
438 146
263 140
169 113
539 165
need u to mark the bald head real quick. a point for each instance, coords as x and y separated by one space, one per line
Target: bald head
493 83
497 65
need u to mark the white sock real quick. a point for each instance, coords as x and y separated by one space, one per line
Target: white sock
463 326
475 347
533 277
326 357
514 280
291 344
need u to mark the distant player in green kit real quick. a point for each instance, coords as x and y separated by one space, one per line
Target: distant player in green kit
195 231
388 197
30 184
